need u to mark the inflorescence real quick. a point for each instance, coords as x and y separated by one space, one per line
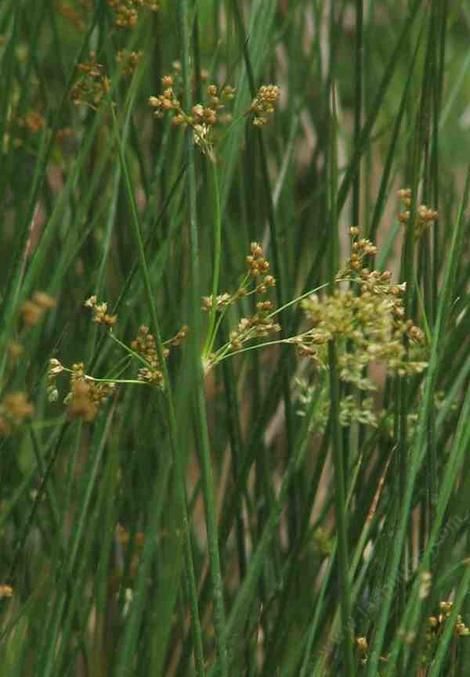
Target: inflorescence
206 116
257 281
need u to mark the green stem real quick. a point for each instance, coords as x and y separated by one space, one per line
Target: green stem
201 415
180 477
217 258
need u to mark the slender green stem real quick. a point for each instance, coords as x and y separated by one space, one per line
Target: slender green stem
215 192
201 415
181 490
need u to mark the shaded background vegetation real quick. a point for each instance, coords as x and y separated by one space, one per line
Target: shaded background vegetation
229 524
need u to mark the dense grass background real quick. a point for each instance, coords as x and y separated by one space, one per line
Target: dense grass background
228 523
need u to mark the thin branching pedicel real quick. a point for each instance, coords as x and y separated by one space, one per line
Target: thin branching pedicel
86 393
260 324
92 85
203 117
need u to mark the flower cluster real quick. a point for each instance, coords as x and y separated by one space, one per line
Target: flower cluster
436 625
92 85
126 12
436 622
258 325
33 122
424 215
203 117
368 324
6 591
261 323
15 408
264 104
86 394
33 309
100 312
362 647
360 249
144 345
128 61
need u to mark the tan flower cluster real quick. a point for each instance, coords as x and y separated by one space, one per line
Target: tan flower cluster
424 215
32 311
362 646
33 122
261 324
258 270
92 85
360 249
86 395
100 312
128 61
15 408
126 12
436 622
6 591
203 118
179 337
144 344
264 104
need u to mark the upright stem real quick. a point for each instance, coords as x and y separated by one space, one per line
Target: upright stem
172 425
336 433
217 229
197 365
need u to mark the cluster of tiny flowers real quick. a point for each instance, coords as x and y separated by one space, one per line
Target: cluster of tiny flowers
362 647
86 395
32 310
144 344
368 325
33 122
261 323
349 412
126 12
100 312
436 622
264 104
425 215
128 61
258 325
202 118
6 591
372 322
92 85
360 249
15 408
